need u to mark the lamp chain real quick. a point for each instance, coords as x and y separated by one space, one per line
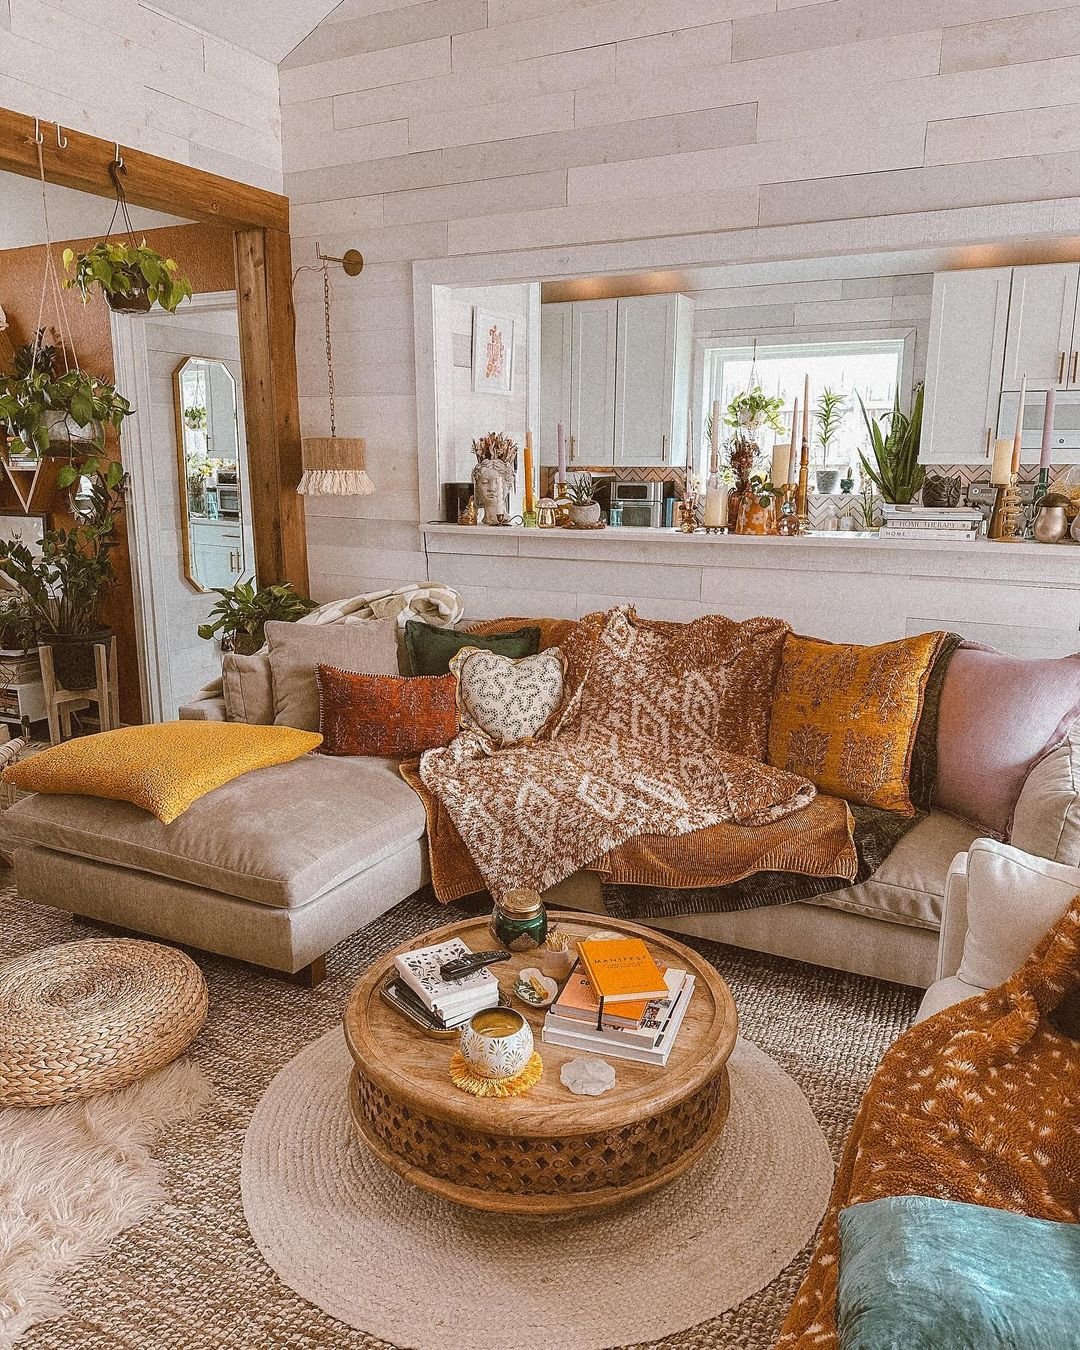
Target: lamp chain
329 348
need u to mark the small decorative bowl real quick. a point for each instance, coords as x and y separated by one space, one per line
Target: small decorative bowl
496 1043
535 988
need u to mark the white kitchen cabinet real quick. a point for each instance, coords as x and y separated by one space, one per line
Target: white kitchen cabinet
1040 341
617 374
965 364
652 366
556 348
217 551
592 381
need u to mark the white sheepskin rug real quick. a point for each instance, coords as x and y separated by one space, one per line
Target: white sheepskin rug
72 1178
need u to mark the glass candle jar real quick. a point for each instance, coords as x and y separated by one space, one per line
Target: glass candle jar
496 1043
519 921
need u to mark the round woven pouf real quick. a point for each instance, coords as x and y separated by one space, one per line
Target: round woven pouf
93 1016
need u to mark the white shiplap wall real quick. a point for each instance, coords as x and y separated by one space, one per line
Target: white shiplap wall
457 127
121 70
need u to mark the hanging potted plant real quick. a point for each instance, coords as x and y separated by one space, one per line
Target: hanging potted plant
65 585
43 413
132 277
239 618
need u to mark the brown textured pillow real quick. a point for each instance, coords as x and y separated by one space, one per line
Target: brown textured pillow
389 716
247 688
846 716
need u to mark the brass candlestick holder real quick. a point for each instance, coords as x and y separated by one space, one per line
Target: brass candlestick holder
788 525
802 491
1007 519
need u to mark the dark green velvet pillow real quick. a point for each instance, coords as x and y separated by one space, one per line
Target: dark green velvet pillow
918 1273
432 649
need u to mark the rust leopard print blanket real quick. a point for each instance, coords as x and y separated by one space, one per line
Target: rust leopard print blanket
980 1103
662 732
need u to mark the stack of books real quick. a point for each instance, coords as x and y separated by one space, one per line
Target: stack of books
450 1002
930 522
619 1002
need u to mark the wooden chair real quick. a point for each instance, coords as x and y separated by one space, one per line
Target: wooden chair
61 703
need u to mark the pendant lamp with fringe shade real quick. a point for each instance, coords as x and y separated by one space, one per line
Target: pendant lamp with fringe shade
334 466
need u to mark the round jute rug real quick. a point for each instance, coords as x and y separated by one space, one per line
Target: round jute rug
346 1233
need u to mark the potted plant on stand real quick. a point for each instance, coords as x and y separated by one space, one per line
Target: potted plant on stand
65 586
896 471
240 616
828 415
132 277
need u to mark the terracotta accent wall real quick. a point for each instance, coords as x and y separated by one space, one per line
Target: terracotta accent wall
205 254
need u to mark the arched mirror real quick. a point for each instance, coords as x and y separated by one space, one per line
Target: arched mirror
212 502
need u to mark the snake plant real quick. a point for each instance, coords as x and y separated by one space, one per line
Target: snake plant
896 471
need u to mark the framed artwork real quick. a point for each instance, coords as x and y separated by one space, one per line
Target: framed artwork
28 530
492 352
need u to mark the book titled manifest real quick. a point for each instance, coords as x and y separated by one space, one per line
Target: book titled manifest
448 999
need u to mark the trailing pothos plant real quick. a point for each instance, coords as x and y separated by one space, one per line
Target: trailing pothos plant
754 408
240 616
130 276
895 471
39 408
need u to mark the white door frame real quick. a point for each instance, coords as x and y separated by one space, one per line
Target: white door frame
144 501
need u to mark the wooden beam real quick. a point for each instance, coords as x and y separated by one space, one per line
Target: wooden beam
271 410
158 184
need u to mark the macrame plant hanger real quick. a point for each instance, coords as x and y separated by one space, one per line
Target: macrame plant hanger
334 466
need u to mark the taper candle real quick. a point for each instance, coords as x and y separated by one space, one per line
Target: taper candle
1048 429
793 458
1001 468
560 438
530 500
806 409
1018 433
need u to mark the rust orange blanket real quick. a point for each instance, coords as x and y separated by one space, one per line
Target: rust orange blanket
980 1103
663 732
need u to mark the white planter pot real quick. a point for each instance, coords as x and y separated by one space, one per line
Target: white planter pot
584 513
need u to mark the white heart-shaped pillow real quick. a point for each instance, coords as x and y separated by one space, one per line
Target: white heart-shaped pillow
505 700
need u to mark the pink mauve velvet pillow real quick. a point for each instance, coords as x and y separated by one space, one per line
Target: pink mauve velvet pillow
998 715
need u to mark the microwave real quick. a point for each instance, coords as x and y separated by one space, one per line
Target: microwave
638 503
1065 437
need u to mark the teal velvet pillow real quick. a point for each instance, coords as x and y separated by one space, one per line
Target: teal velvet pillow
431 649
918 1273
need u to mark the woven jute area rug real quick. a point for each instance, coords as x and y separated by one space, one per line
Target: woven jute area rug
345 1232
190 1277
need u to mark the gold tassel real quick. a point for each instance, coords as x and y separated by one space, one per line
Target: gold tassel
462 1076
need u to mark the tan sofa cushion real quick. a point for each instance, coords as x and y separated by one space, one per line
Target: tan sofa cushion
909 887
369 647
247 688
1046 821
279 836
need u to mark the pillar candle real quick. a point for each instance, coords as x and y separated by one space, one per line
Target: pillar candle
806 409
715 515
530 500
1002 465
1017 434
560 472
1048 428
793 458
780 456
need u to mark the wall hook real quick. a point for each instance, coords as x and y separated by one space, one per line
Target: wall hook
39 139
352 260
119 160
61 139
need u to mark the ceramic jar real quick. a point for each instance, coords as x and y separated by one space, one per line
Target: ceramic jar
496 1043
1051 525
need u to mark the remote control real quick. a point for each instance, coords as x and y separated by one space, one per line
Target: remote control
469 965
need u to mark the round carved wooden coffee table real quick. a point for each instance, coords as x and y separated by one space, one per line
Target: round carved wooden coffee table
549 1152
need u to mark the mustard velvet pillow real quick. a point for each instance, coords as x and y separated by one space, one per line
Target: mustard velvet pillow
846 716
162 768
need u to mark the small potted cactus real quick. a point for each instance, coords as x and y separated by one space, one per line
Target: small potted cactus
584 509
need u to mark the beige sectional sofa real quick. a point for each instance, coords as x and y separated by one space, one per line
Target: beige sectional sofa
279 865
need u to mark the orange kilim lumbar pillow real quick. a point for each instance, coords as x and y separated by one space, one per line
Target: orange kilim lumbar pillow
846 716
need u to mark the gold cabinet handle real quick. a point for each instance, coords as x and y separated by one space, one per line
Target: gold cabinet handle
1061 369
989 433
663 449
1075 360
573 449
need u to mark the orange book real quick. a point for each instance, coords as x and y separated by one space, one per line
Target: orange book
621 970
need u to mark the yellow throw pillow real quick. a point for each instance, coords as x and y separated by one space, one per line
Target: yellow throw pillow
846 716
163 767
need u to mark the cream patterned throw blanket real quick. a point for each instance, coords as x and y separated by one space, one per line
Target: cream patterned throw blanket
662 732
